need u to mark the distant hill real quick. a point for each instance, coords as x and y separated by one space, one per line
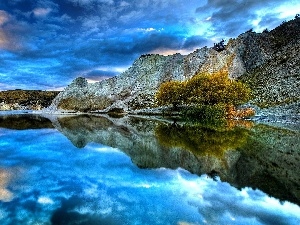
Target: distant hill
269 62
26 99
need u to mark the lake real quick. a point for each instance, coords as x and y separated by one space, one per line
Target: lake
93 169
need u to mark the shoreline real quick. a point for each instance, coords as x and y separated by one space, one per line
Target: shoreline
290 121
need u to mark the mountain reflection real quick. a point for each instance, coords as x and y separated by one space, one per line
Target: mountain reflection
241 153
24 121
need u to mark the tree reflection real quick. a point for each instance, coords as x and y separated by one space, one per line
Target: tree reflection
204 139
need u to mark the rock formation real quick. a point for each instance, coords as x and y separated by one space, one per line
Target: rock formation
269 62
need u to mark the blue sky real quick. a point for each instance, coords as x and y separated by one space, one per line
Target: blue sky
45 44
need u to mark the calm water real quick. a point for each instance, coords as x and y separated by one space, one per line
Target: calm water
97 170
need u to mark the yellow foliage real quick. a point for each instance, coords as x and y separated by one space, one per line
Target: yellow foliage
170 92
233 113
204 89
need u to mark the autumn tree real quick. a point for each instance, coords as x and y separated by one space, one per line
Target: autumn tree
206 92
216 88
170 93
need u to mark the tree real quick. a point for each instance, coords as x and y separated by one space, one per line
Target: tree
219 46
170 93
215 90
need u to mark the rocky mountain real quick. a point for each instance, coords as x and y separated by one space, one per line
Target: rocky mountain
26 99
269 62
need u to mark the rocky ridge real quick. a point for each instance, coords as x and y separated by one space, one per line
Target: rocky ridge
269 62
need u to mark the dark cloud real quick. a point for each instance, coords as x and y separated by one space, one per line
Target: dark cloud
98 74
235 16
269 21
194 42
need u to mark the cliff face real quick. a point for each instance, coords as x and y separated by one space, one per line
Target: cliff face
268 62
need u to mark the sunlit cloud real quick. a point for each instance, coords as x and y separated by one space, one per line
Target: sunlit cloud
4 17
3 40
166 52
185 223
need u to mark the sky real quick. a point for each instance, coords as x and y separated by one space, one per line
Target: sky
45 44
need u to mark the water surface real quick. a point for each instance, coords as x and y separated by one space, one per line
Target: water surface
99 170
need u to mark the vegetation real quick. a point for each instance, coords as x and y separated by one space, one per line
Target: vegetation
85 103
171 93
28 97
205 95
219 46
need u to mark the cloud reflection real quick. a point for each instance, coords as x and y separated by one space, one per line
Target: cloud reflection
5 194
100 185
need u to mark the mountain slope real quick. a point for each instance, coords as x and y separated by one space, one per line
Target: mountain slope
268 62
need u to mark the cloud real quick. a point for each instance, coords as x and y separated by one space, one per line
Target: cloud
4 17
101 73
91 2
40 12
4 40
234 17
124 4
194 42
12 33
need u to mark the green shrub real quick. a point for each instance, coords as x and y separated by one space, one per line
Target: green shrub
205 112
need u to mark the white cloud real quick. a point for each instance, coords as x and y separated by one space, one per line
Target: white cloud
288 10
45 200
41 12
124 4
131 16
